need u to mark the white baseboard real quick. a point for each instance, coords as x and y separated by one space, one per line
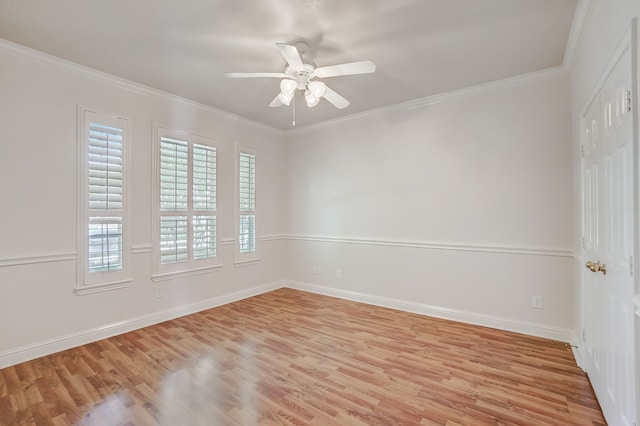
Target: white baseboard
577 357
507 324
57 344
575 347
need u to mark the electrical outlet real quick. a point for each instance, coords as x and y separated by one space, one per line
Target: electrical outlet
159 292
536 302
317 270
338 273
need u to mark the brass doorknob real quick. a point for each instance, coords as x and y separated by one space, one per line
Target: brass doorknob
596 267
603 269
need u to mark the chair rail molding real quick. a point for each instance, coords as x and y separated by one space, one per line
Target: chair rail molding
141 248
62 256
432 245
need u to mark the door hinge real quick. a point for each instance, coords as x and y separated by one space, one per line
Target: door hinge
627 101
631 265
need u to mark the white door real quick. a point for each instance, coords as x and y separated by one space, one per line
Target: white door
607 280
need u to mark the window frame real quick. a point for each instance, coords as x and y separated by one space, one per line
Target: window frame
192 266
92 282
250 257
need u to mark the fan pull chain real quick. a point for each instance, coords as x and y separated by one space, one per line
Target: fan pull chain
294 111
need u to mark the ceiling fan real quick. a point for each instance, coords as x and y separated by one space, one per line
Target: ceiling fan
299 75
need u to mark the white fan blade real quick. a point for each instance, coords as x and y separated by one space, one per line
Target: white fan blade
291 55
362 67
254 74
276 102
337 100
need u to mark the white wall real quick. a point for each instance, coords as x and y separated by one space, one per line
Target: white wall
461 208
39 311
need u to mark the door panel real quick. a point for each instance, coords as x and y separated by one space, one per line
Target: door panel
591 141
607 170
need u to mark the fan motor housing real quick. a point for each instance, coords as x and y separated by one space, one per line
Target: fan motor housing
301 76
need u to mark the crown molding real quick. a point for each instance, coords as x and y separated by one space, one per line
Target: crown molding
506 83
583 12
581 18
128 85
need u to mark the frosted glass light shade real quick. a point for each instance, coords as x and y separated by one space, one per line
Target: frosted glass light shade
312 100
288 87
285 98
317 88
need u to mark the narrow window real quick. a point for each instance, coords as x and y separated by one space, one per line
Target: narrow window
246 204
103 238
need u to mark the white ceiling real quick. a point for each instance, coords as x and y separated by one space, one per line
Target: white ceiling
421 47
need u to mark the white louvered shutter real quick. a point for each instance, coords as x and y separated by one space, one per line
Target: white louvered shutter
187 202
105 156
247 198
174 200
204 201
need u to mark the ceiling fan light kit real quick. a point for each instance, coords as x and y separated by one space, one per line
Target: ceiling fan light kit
288 86
298 76
317 88
284 98
311 99
287 91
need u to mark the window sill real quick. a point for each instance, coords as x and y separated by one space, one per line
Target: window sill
247 262
99 288
186 273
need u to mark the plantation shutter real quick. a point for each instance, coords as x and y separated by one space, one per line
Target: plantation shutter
105 202
247 198
187 195
174 175
174 200
204 201
173 239
204 178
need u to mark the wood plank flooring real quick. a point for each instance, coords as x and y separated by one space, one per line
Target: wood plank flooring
294 358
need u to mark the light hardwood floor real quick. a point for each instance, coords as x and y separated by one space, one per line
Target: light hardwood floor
291 357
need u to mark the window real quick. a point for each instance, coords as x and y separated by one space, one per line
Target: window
246 176
186 203
102 196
